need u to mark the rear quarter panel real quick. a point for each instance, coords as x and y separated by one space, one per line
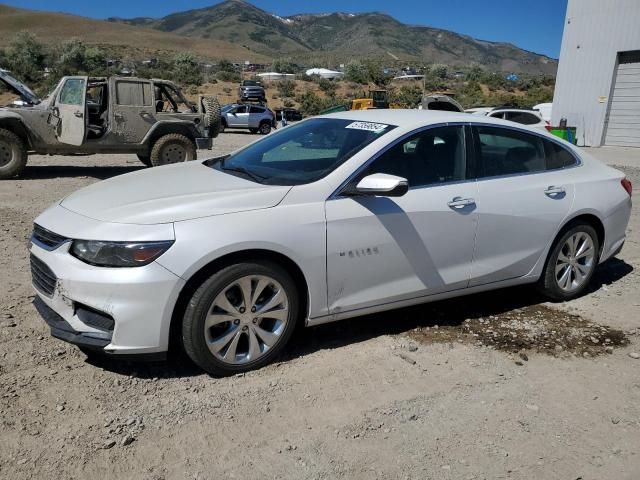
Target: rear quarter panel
598 192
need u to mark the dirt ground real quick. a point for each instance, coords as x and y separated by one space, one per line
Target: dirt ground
493 386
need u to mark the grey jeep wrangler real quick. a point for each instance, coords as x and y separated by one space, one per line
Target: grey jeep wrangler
85 115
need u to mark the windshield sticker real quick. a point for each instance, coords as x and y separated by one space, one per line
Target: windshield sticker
368 126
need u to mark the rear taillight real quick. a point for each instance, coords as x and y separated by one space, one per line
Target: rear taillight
626 184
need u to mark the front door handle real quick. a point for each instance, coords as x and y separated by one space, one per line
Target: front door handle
552 191
78 114
459 202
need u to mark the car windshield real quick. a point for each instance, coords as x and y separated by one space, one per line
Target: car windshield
301 153
226 108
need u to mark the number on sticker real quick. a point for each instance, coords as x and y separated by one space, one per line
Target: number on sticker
369 126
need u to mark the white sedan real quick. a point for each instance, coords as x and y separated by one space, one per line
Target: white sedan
334 217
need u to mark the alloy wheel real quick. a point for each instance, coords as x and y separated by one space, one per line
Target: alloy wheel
576 260
246 319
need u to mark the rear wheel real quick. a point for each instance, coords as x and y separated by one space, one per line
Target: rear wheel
265 128
240 318
13 154
571 263
172 148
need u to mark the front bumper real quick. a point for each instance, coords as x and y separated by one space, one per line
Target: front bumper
140 301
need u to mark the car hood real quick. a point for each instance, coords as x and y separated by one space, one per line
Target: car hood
171 193
19 88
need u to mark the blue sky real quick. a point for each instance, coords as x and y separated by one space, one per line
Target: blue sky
534 25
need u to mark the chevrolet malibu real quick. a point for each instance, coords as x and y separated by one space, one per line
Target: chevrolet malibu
335 217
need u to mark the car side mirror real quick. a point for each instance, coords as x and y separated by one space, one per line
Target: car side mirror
381 185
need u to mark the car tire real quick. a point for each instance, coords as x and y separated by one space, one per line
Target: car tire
226 340
172 148
265 128
571 263
144 159
13 154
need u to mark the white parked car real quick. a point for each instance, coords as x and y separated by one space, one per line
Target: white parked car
531 118
334 217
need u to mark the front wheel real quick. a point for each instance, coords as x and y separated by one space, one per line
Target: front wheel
240 318
571 263
172 148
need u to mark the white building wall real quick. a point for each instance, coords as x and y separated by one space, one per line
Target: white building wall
594 32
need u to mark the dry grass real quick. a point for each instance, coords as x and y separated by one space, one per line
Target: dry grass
56 27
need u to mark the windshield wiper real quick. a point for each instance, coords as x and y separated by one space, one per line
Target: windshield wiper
254 176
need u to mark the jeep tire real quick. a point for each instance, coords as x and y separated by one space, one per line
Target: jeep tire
172 148
212 115
13 154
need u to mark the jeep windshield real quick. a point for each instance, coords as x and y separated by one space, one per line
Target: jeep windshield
301 153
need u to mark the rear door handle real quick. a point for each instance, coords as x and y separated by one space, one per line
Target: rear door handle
553 190
459 202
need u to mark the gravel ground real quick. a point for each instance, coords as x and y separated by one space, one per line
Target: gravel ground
498 385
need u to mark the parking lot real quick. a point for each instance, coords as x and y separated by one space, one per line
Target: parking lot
497 385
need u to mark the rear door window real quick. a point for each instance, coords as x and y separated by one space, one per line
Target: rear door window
503 151
253 109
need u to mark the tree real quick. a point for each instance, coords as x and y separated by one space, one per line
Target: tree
356 72
186 69
225 65
25 57
439 70
286 88
327 86
284 66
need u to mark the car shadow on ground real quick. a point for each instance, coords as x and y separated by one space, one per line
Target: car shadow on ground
37 172
451 312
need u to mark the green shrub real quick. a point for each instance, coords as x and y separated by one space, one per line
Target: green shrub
225 76
25 57
286 88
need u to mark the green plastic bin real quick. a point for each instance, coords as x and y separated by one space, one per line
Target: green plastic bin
568 133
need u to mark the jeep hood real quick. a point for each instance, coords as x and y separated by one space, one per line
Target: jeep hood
171 194
19 88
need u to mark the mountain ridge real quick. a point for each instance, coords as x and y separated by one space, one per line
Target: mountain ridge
344 36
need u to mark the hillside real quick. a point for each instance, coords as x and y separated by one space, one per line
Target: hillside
341 37
55 27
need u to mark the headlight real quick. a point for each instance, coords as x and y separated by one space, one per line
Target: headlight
118 254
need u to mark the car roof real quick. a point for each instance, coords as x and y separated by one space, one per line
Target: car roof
406 117
412 119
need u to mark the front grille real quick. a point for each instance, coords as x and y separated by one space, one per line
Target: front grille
47 238
42 276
